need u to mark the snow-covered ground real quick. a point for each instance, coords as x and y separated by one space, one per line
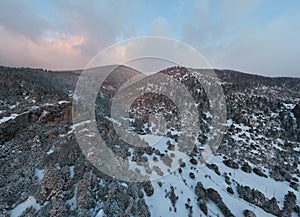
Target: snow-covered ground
31 201
39 174
73 202
186 190
184 186
268 186
5 119
100 213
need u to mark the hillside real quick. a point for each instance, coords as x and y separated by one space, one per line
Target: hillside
255 170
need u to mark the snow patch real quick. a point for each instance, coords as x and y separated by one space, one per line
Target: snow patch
11 117
124 184
208 115
13 106
100 213
50 152
150 139
73 202
289 105
39 174
63 102
72 172
229 122
31 201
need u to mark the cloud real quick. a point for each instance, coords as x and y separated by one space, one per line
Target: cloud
258 36
59 53
61 41
19 16
78 32
100 22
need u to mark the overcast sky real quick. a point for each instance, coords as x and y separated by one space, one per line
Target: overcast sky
256 36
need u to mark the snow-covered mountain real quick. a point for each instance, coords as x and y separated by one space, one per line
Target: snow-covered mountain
254 172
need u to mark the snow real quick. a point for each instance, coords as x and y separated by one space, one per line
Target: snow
31 201
161 145
213 210
48 104
159 204
75 96
73 127
289 105
39 174
237 137
44 113
14 106
268 186
151 139
209 179
5 119
208 115
87 132
50 152
63 102
113 121
280 141
175 132
102 183
100 213
72 172
242 127
34 107
124 184
279 148
73 202
229 122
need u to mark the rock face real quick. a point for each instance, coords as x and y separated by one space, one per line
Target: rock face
43 171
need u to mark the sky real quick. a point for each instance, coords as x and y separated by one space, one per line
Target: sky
255 36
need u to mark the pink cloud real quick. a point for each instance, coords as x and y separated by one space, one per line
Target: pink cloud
58 52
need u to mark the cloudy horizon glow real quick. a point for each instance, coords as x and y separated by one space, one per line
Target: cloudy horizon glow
256 36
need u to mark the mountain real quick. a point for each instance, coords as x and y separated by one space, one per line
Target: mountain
255 170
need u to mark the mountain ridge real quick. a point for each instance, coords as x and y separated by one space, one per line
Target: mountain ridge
255 171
